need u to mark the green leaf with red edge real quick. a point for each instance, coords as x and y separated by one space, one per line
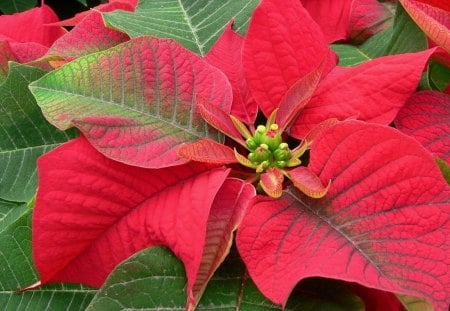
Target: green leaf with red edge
6 55
91 213
135 102
89 36
207 151
105 7
373 91
384 222
31 26
225 216
434 21
426 117
282 45
226 54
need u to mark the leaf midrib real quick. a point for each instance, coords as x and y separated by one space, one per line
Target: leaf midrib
183 129
192 28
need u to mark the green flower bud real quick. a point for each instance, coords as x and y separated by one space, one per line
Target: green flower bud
281 164
251 144
281 154
272 137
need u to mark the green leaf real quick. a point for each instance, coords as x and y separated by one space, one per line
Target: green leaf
24 134
415 303
15 6
439 75
445 169
154 279
196 24
402 37
17 270
350 55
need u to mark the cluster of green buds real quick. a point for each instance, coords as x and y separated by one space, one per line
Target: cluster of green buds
267 148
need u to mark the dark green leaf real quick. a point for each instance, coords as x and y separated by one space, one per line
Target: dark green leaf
14 6
196 24
445 169
403 37
24 134
154 279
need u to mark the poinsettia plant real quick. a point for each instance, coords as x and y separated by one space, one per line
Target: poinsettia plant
240 155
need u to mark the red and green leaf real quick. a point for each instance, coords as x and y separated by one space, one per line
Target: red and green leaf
91 213
89 36
384 222
105 7
426 117
282 45
434 21
226 54
342 20
373 91
135 102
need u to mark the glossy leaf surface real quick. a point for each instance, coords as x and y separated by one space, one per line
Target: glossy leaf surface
196 24
135 102
116 210
384 222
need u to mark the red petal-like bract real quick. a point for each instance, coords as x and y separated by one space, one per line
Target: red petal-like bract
89 36
106 7
226 54
31 26
426 117
384 222
434 21
226 214
91 213
373 91
207 151
272 182
282 45
341 20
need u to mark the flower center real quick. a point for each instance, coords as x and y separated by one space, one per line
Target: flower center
267 148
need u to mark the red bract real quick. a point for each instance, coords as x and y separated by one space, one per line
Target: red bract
426 117
384 222
371 207
373 91
31 26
